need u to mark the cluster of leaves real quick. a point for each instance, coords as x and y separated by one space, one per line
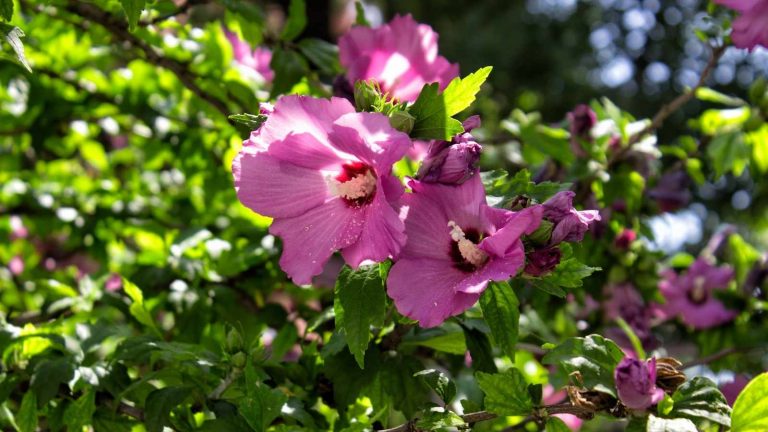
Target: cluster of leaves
149 298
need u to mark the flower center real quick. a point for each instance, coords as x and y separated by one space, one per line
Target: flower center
698 294
356 184
466 255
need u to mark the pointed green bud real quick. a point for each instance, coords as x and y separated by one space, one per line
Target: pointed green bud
402 121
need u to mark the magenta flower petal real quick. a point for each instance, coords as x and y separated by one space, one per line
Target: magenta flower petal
305 150
525 221
750 29
276 188
636 383
739 5
401 56
370 137
311 238
422 289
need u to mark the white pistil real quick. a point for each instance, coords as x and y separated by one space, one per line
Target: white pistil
360 186
469 251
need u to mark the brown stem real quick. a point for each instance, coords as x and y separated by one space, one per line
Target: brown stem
131 411
119 29
716 356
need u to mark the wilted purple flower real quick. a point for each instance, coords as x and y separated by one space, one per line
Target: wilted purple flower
671 192
570 224
636 383
454 162
690 296
542 261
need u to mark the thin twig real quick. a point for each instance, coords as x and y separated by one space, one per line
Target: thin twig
224 385
713 357
182 9
119 29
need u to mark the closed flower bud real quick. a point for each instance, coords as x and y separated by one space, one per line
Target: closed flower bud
402 121
234 341
636 383
366 95
454 162
239 360
542 261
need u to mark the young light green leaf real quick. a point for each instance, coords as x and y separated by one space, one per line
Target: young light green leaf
158 406
137 308
359 303
80 412
501 311
434 111
26 418
438 419
360 18
133 10
439 382
569 273
6 9
506 393
13 36
297 20
750 412
594 357
700 398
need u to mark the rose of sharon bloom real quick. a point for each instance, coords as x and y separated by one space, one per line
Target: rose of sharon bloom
323 172
452 162
257 60
570 224
691 297
401 56
625 302
750 29
636 383
456 244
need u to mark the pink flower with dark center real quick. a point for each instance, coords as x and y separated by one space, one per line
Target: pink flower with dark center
401 56
323 172
257 59
750 28
691 295
456 244
636 383
570 224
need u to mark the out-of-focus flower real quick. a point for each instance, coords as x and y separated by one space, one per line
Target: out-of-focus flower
731 390
623 301
16 265
750 28
582 119
456 244
691 295
636 383
625 239
570 224
401 56
671 192
257 59
18 230
323 172
113 283
452 162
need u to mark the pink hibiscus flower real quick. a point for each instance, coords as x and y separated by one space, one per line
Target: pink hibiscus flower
257 60
690 295
401 56
750 28
323 172
456 244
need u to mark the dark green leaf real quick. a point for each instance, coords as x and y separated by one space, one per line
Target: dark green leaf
48 375
262 406
26 418
506 393
322 54
13 36
480 349
594 357
6 9
438 418
249 121
158 406
80 412
700 398
289 68
284 340
133 10
359 303
439 382
548 287
297 20
434 111
501 311
750 412
396 381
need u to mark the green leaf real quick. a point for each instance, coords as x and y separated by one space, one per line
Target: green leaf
750 412
657 424
438 418
451 342
284 340
359 303
137 308
26 418
506 393
13 36
711 95
554 424
262 406
480 349
439 382
133 10
594 357
501 312
728 152
548 287
569 273
158 406
297 20
322 54
6 9
48 375
249 121
700 398
360 18
289 68
396 382
80 413
434 112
